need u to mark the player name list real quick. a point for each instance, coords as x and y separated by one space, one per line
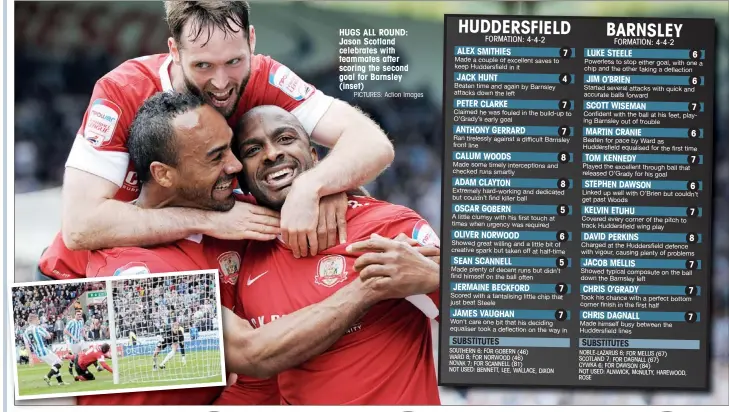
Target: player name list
577 201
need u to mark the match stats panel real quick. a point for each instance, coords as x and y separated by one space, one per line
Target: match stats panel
577 201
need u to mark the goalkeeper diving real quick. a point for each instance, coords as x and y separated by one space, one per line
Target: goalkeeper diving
173 336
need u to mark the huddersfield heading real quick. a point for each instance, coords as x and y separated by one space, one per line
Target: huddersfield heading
485 26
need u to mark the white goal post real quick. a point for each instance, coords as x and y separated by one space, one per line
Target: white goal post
144 313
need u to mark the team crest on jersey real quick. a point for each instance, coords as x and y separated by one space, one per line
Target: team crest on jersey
132 268
331 270
425 235
230 265
101 122
283 78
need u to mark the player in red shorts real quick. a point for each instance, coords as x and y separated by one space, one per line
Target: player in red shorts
91 356
182 150
386 356
212 53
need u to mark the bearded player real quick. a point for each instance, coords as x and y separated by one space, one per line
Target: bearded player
182 148
212 54
386 357
92 356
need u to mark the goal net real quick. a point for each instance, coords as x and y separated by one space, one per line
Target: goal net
157 319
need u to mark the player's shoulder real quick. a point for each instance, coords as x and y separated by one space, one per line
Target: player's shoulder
260 69
368 215
139 76
270 74
262 63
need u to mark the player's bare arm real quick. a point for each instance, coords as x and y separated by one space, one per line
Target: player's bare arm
299 336
360 152
93 219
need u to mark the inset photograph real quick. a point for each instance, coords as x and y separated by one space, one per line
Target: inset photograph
168 330
122 334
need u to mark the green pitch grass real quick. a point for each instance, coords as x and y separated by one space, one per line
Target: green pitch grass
30 378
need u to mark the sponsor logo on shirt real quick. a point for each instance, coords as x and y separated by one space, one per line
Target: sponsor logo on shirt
425 235
353 204
132 268
331 270
354 328
101 122
59 274
283 78
131 182
259 321
230 265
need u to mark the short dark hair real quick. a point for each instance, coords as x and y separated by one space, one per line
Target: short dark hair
105 348
151 136
207 15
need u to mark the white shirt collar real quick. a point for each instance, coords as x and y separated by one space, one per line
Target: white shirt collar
164 74
195 238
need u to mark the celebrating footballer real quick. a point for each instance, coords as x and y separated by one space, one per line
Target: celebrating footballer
150 187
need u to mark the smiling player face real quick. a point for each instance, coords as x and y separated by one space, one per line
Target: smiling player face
206 165
274 149
216 65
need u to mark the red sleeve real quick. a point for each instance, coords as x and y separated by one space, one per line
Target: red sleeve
100 147
280 86
58 262
414 226
127 261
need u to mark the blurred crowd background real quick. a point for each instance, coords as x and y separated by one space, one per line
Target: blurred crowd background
148 306
56 305
62 48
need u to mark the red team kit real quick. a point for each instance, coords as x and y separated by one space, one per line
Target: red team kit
570 161
392 342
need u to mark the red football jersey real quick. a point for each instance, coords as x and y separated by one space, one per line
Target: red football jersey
90 357
100 147
386 358
58 262
193 253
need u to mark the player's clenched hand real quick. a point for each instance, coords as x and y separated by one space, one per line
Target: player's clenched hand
394 269
299 218
244 221
431 252
305 218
